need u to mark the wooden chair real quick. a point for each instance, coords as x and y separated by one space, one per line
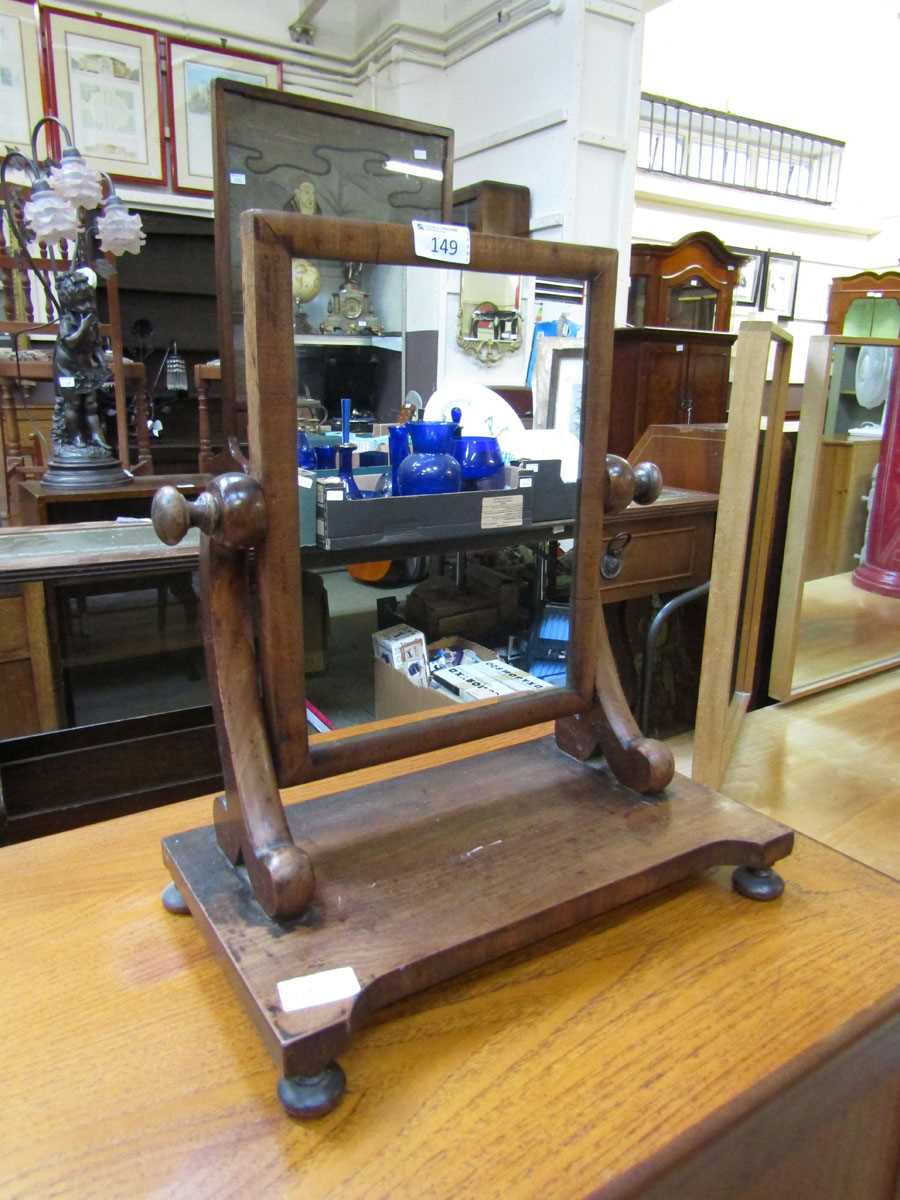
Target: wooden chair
21 317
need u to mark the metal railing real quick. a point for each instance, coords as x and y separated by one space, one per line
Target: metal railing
714 147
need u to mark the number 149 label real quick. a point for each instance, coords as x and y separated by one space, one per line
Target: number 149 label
446 243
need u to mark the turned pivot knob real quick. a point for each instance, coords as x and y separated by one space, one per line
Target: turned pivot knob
648 483
173 514
625 483
231 510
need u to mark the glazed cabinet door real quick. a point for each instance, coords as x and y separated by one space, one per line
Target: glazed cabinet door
706 393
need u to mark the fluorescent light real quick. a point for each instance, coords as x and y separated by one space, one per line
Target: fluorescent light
405 168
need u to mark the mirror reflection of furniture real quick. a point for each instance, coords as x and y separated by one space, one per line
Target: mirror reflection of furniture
396 886
745 523
491 207
865 305
666 376
489 322
828 631
687 285
280 150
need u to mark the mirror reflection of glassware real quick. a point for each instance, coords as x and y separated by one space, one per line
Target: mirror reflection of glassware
350 309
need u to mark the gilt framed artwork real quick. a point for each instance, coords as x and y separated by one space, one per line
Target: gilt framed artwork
192 66
21 103
104 83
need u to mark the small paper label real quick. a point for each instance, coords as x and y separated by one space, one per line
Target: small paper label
498 512
334 494
679 349
444 243
324 987
530 467
525 481
420 153
66 381
305 481
237 177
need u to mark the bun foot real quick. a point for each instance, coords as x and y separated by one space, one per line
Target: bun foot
757 883
308 1096
174 902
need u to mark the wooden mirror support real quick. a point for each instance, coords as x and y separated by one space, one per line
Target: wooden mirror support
330 909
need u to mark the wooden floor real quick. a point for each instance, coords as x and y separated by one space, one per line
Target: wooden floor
827 765
842 629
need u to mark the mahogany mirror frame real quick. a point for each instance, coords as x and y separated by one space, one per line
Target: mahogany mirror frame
269 240
257 675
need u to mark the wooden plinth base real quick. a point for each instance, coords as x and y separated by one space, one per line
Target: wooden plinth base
423 877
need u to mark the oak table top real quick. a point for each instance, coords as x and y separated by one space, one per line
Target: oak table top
583 1065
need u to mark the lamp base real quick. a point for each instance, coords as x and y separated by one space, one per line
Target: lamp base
74 474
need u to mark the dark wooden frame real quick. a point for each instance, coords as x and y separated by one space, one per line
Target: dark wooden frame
170 95
221 186
53 100
575 843
763 257
771 257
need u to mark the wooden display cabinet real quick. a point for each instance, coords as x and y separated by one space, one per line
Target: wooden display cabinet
491 207
666 377
688 285
874 299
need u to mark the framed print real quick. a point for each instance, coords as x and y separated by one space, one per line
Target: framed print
105 84
780 294
21 102
750 276
192 66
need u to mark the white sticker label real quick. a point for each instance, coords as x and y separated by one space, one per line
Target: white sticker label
324 987
530 467
66 381
420 154
237 177
445 243
334 494
679 349
526 481
498 512
305 481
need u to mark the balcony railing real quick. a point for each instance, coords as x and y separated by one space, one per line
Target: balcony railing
714 147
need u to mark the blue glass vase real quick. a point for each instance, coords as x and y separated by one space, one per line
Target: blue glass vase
398 449
345 469
326 457
479 457
428 475
306 455
431 437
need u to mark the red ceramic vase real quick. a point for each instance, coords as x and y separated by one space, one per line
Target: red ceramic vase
881 570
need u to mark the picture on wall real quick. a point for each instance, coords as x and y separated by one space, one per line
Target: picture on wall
20 75
104 77
192 68
750 277
780 294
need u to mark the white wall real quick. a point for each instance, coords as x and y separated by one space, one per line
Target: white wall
821 66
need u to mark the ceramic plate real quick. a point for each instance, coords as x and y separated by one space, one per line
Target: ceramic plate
484 411
873 375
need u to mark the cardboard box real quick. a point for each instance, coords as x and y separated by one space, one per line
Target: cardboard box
306 489
551 498
403 649
397 696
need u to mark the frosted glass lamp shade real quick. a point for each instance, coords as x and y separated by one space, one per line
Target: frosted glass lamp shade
75 181
50 217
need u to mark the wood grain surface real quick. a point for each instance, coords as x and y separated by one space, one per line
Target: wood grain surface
588 1064
828 766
